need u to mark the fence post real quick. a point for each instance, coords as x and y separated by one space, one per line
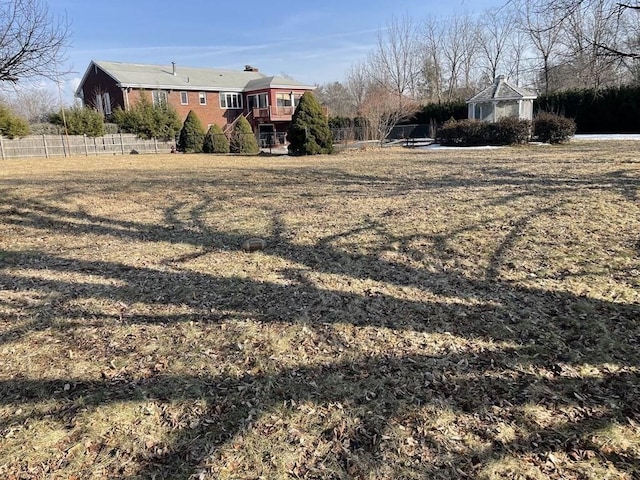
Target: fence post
86 147
155 144
95 146
121 143
2 148
64 146
44 142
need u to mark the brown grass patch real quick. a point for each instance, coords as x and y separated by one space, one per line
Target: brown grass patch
433 314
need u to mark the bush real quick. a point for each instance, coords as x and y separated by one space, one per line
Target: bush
467 133
12 126
309 132
243 140
509 131
460 133
192 134
551 128
80 121
148 121
215 141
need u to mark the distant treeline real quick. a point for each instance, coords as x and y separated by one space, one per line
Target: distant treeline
610 110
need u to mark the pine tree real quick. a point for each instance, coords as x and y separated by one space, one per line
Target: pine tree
80 121
192 134
215 141
243 139
148 121
309 133
12 126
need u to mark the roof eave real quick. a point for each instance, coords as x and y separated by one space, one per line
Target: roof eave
500 99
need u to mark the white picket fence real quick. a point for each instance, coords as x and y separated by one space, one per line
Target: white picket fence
47 146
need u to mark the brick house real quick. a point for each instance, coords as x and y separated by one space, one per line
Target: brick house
216 96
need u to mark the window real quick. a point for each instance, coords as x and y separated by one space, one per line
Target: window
231 100
159 97
98 103
202 96
258 101
283 99
184 98
106 103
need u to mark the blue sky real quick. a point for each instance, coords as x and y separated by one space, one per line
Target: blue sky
313 42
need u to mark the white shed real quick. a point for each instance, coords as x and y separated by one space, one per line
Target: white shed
502 99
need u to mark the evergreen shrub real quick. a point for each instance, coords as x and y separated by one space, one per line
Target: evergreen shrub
309 132
148 121
243 140
551 128
12 126
80 121
215 141
191 138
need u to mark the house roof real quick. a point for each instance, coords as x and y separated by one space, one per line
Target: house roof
502 89
188 78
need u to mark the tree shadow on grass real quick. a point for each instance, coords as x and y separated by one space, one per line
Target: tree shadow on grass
376 393
376 397
540 337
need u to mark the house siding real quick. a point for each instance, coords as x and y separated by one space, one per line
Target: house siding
99 82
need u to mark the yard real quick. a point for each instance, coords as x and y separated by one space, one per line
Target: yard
443 314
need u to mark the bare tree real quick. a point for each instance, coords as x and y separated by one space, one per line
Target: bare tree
32 41
357 84
337 98
382 111
393 64
624 12
496 29
586 27
544 28
432 39
449 47
33 104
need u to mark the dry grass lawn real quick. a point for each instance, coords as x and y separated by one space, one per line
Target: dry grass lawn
445 314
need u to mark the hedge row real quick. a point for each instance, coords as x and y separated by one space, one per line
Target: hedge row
612 110
547 127
467 133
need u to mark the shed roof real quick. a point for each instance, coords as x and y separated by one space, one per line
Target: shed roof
502 89
188 78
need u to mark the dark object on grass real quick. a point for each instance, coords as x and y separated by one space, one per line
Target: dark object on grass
254 244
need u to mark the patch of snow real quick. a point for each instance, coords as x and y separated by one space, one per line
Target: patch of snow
608 136
437 146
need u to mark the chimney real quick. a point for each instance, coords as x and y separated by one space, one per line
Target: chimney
249 68
173 64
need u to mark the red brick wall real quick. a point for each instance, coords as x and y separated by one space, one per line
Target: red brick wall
208 114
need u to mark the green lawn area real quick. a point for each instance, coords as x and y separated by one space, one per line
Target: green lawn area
445 314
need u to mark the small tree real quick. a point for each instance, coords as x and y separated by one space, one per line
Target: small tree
243 140
215 141
12 126
148 121
80 121
383 111
192 134
309 132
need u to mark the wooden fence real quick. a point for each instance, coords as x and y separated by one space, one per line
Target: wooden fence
75 145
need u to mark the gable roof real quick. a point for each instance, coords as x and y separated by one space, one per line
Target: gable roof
187 78
502 89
